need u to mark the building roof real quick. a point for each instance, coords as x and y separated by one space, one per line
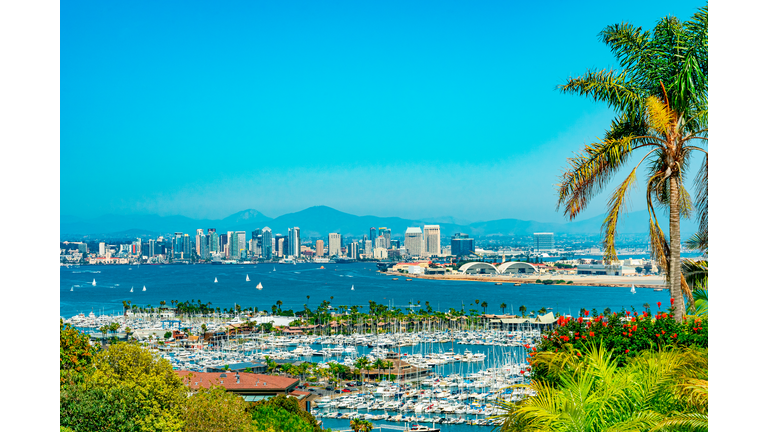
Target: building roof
413 230
248 381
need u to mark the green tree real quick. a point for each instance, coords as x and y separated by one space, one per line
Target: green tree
75 353
661 98
282 414
503 306
484 305
213 409
522 310
358 425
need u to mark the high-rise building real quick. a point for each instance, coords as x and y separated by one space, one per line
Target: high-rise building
543 242
387 234
462 245
368 247
280 242
334 244
266 243
381 242
319 248
414 240
199 239
213 241
352 250
294 242
431 240
240 252
186 247
102 249
373 234
151 251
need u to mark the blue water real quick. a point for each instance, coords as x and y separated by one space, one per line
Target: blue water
293 283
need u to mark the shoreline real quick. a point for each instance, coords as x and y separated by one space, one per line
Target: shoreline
606 281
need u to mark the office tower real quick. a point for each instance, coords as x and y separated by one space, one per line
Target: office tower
213 241
186 247
334 244
387 234
381 242
319 248
352 250
223 246
462 245
240 252
102 249
368 247
294 242
394 244
414 240
280 246
151 248
266 243
431 240
373 234
543 242
199 240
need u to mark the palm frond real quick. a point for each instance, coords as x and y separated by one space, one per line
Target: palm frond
611 87
686 421
660 117
616 204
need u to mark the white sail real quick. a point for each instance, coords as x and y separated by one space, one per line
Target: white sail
247 279
274 268
72 289
131 289
258 287
353 287
145 288
94 282
215 280
633 289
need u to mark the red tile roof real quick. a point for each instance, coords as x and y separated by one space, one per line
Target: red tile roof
248 381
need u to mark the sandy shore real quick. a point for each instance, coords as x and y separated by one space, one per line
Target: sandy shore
611 281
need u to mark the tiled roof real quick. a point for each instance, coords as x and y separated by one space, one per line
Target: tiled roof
247 380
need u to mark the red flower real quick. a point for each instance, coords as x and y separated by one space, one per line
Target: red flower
527 345
657 335
672 301
528 369
581 320
591 333
624 333
605 324
522 372
659 304
627 313
630 335
583 337
664 315
586 313
663 332
534 349
578 354
626 351
674 335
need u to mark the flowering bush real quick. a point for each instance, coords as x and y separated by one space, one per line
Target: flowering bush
626 333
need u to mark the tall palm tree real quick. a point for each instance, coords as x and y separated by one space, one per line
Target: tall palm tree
660 98
484 305
503 306
522 310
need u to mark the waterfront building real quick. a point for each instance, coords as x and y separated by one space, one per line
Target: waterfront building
186 247
294 242
543 242
213 241
462 245
387 234
352 250
240 250
266 243
368 247
334 245
379 253
319 248
102 249
414 240
431 240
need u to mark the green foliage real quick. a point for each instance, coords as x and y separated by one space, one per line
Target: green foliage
75 353
128 389
592 392
167 335
282 413
214 409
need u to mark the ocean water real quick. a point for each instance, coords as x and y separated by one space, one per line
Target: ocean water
291 284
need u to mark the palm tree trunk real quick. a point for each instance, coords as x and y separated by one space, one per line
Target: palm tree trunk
674 248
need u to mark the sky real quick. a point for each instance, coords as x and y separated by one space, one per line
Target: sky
408 109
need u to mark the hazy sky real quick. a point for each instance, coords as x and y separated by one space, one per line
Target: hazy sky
410 109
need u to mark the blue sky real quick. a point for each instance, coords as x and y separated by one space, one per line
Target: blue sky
411 109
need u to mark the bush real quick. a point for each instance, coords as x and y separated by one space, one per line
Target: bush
214 409
282 413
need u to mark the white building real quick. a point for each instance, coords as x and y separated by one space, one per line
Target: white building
334 244
543 242
379 253
414 241
352 250
368 247
431 240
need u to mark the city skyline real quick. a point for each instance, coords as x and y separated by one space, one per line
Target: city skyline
347 106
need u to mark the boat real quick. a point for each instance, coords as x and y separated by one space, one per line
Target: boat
322 268
131 289
353 287
258 287
420 428
633 289
409 279
72 289
498 283
145 288
94 282
658 289
395 279
274 268
215 280
247 279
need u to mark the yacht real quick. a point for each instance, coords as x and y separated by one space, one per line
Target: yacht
259 287
215 280
247 279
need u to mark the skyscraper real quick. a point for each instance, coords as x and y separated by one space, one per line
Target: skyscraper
334 244
373 234
294 242
387 234
381 242
352 250
319 248
431 240
462 245
266 243
368 247
151 251
186 247
414 240
199 239
280 245
213 241
223 246
543 242
240 251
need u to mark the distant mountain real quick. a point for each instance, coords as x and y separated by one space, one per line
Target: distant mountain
320 220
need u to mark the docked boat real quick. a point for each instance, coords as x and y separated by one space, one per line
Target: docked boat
421 428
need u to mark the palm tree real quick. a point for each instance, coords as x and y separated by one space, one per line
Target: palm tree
484 305
661 100
655 390
542 311
503 306
279 304
522 310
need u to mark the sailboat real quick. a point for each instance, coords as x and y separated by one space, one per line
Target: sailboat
258 287
633 289
72 289
131 289
247 279
215 280
353 287
273 268
145 288
94 282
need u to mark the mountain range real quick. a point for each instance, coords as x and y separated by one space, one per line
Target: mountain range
320 220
